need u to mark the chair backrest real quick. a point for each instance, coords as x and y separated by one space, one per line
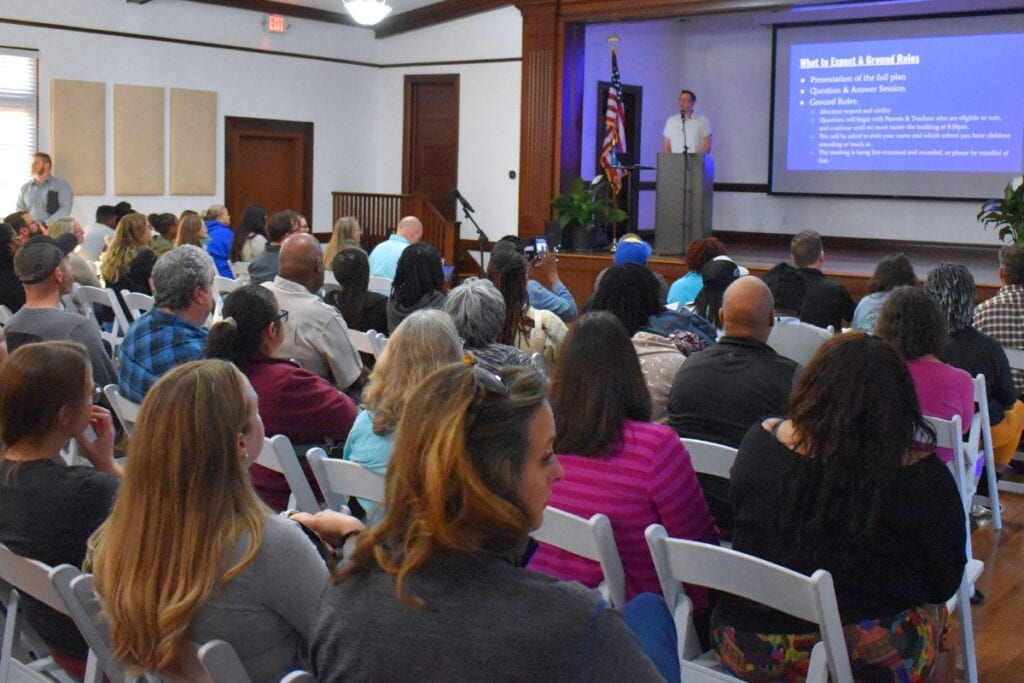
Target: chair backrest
1015 356
279 456
340 479
949 434
137 303
329 278
89 296
222 663
590 538
710 458
811 598
5 315
127 412
226 285
30 577
361 342
694 673
378 340
379 284
239 268
79 595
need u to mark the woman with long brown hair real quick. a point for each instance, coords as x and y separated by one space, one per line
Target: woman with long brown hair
842 484
189 553
191 230
128 260
436 589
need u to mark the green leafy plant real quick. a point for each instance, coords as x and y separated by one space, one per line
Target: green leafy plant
1006 215
586 207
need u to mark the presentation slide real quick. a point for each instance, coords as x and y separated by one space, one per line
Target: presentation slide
932 111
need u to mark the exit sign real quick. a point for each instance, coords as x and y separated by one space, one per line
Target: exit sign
276 23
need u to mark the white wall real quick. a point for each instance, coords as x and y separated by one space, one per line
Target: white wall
726 60
356 110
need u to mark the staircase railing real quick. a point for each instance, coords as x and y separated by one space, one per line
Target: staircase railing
378 214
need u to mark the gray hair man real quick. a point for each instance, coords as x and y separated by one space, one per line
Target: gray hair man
172 332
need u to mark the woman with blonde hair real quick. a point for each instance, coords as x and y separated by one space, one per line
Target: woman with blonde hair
347 233
424 342
189 554
437 590
128 260
82 272
191 230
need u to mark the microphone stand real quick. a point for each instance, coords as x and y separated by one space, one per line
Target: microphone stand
480 235
686 227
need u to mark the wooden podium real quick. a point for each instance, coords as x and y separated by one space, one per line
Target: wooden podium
683 204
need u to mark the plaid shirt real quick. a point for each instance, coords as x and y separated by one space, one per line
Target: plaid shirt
155 343
1002 317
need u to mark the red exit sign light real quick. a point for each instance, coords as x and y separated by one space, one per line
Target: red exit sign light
276 23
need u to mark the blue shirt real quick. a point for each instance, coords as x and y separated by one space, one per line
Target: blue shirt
384 257
369 449
154 344
685 289
46 201
219 246
560 301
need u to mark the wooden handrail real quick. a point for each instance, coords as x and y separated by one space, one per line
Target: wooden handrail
378 214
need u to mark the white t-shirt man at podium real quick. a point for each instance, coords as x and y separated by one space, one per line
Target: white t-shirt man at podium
695 137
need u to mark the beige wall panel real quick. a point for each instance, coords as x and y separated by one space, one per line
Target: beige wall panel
138 140
193 142
78 134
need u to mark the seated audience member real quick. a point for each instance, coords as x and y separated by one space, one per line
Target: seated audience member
661 337
191 230
264 266
826 302
952 288
172 332
684 290
347 234
303 224
166 227
45 273
81 270
293 402
478 310
362 309
616 461
891 272
525 327
219 564
250 238
384 257
99 233
441 574
25 225
221 236
48 510
1002 316
128 261
632 249
717 275
12 294
315 334
721 391
424 342
912 322
546 292
418 283
790 337
879 512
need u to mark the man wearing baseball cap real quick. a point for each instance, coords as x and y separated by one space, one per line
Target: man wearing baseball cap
43 268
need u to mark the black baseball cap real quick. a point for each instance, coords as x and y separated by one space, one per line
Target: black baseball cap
40 255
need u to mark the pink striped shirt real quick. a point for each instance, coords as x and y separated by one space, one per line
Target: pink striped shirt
649 479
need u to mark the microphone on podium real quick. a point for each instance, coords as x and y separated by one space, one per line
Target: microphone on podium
465 204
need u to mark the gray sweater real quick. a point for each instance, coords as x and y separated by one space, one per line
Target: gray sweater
484 620
266 612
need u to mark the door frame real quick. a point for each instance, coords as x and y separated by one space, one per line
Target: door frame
407 128
233 124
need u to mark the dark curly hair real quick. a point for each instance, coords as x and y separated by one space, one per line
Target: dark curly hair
700 251
912 322
418 273
631 293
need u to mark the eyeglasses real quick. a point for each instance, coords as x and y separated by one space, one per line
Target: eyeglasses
281 317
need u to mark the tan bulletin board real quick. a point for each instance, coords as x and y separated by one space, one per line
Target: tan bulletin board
193 142
138 140
78 134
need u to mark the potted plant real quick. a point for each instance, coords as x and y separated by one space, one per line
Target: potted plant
586 206
1006 214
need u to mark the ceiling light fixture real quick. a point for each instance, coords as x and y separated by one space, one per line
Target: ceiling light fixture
367 12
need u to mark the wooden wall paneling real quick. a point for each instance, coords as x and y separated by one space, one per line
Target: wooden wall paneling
193 146
138 140
78 134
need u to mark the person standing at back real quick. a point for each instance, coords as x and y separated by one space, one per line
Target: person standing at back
46 196
826 302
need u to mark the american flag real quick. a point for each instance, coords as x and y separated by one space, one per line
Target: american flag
614 130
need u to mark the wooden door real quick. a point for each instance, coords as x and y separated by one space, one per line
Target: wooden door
430 154
268 162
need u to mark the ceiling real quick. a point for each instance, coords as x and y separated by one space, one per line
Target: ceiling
398 6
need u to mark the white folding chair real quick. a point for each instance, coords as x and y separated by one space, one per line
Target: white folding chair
379 284
590 538
340 479
691 672
811 598
1016 358
83 605
279 456
136 303
222 664
979 445
329 278
948 434
226 285
710 458
23 655
88 297
240 269
5 315
371 341
127 412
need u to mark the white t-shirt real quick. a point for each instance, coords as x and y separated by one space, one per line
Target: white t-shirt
697 128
